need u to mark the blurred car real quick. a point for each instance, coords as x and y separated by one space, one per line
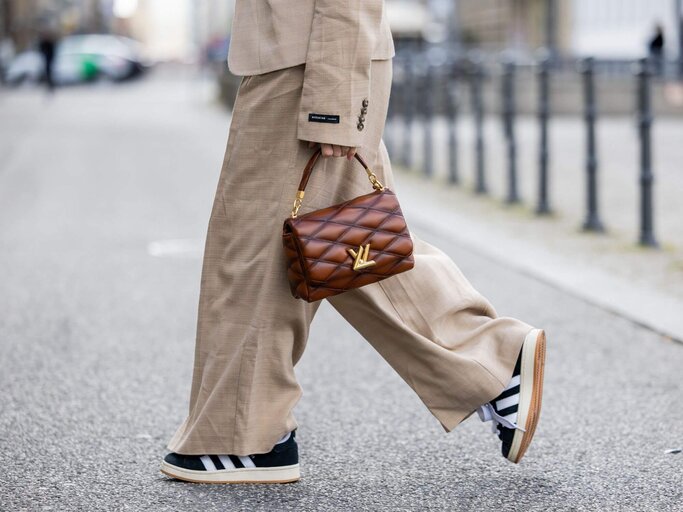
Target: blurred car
79 59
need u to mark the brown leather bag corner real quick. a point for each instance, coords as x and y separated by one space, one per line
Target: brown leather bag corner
345 246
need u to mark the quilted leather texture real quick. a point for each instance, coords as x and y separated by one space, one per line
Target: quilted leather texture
316 245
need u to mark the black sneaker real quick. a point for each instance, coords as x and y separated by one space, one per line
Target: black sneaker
280 465
515 412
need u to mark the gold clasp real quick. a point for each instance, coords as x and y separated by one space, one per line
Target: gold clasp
297 203
361 257
373 179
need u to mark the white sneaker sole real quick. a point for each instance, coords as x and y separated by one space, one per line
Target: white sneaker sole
276 475
530 392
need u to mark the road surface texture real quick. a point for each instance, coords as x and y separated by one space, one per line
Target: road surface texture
105 194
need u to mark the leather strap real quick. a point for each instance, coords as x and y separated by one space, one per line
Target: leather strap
308 170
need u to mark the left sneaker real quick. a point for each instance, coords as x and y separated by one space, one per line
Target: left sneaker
279 466
515 412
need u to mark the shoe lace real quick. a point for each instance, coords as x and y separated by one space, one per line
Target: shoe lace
488 413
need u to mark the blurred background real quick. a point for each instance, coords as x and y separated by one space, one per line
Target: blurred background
147 32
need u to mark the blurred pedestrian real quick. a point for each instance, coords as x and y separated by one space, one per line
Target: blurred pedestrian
656 49
47 46
317 74
7 52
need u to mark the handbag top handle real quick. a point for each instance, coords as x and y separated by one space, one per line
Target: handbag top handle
308 170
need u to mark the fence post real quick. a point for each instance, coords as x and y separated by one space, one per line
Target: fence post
408 106
551 29
427 114
647 236
543 206
476 84
678 16
452 121
389 135
508 92
592 222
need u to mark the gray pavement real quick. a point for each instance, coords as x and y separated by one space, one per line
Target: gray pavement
97 326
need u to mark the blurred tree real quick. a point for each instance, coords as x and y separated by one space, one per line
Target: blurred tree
5 17
23 20
521 25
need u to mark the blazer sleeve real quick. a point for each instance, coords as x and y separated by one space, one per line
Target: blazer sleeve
336 88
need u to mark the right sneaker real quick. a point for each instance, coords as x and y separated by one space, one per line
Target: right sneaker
515 412
278 466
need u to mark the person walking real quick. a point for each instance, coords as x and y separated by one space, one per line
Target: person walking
46 47
655 47
317 75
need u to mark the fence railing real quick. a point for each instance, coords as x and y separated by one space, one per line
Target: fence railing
429 84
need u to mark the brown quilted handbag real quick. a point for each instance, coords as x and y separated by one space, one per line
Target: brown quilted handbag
347 245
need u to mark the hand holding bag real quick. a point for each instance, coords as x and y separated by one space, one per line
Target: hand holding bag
345 246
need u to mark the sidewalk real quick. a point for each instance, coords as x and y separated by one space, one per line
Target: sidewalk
610 270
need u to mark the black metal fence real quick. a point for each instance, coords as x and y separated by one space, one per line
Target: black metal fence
429 84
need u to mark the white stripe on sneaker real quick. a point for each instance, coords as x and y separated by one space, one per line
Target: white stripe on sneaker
226 461
504 403
208 463
512 418
247 462
513 382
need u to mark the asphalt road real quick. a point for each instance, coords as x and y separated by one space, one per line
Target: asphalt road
96 344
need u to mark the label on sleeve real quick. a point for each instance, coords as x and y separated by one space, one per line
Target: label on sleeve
323 118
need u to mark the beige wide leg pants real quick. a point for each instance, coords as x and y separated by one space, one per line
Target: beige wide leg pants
441 336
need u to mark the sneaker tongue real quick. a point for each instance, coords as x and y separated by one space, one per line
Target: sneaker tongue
488 413
484 413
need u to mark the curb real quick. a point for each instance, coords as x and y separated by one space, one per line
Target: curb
646 307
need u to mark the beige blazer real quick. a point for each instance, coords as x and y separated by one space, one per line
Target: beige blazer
335 39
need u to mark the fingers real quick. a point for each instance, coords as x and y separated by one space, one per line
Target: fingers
330 150
327 150
335 150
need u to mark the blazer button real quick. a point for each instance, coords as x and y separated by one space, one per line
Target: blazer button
360 126
364 110
365 102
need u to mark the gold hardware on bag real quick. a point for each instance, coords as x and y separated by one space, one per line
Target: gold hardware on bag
373 179
361 257
297 203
